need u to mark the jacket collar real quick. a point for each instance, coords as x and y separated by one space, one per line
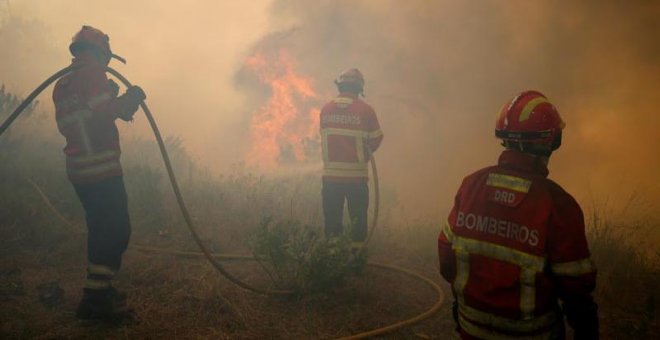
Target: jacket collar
85 59
519 161
348 95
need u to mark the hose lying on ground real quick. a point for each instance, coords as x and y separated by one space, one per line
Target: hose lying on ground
212 258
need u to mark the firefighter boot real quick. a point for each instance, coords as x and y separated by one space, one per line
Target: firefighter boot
105 305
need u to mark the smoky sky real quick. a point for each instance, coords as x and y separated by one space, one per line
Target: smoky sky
436 73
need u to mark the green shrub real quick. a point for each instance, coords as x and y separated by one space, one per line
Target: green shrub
298 257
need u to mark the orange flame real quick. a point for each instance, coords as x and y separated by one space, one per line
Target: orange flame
285 129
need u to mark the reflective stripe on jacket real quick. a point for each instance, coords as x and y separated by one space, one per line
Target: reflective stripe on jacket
513 244
349 132
85 111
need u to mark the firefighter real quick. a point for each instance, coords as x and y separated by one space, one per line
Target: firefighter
86 107
350 133
514 244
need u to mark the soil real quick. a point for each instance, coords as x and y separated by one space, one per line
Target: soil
185 298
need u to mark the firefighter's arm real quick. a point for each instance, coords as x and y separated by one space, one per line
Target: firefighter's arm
375 134
103 99
571 266
446 253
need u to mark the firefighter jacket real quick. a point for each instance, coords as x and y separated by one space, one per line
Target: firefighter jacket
86 107
349 134
513 244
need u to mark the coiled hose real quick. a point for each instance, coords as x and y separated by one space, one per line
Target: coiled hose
212 258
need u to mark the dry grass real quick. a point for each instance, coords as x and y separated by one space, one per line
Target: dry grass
185 298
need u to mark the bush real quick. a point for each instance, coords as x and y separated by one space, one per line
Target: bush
628 275
300 258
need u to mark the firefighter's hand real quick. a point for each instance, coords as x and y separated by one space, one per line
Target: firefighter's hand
136 94
132 99
454 314
582 315
114 88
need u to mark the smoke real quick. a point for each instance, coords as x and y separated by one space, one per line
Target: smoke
436 73
183 54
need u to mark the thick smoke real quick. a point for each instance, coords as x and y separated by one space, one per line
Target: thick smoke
437 72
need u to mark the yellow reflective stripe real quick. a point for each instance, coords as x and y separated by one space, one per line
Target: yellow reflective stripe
375 134
98 99
78 117
529 265
449 234
346 165
95 170
100 269
574 268
499 252
343 100
506 324
324 145
462 273
357 134
75 117
359 146
93 158
346 173
97 284
527 292
345 132
508 182
529 108
484 333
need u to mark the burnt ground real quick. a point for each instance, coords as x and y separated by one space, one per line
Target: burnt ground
185 298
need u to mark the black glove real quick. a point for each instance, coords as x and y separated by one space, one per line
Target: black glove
114 88
137 94
131 102
454 314
582 315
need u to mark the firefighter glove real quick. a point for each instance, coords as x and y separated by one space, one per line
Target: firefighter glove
136 93
131 102
454 314
582 315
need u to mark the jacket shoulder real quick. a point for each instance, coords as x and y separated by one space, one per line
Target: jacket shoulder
329 105
560 197
364 106
481 172
476 176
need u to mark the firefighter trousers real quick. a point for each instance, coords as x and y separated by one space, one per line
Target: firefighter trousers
357 196
108 224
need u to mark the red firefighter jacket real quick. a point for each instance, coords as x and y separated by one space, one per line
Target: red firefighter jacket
85 110
513 244
349 133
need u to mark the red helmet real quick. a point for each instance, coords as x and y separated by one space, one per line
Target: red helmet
530 118
352 76
90 36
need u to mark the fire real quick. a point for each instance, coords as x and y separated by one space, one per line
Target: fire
285 129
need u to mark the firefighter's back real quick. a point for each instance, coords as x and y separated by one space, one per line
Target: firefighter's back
501 227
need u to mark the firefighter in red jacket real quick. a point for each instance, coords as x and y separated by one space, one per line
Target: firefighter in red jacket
514 243
86 107
350 133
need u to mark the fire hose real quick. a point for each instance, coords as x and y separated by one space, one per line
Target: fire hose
213 258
